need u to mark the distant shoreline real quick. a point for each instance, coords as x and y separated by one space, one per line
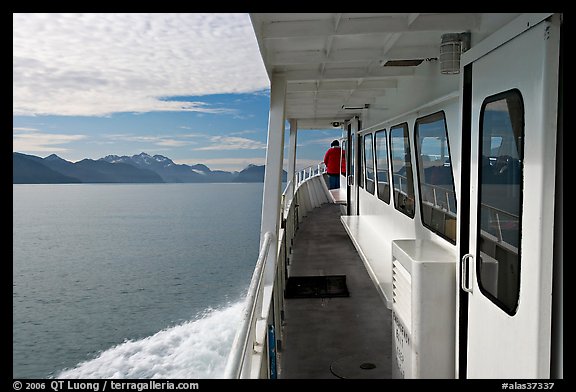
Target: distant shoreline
114 169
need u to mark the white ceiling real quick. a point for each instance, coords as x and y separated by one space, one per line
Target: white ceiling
331 59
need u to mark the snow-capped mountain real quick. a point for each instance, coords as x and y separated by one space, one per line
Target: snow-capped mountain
164 167
114 168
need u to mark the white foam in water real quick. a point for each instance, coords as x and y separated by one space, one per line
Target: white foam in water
195 349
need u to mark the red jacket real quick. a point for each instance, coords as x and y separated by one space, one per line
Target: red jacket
332 160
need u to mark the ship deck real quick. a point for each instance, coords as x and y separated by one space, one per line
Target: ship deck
346 337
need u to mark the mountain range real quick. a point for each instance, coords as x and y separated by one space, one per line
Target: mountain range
141 168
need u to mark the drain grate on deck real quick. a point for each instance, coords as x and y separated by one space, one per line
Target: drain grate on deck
316 287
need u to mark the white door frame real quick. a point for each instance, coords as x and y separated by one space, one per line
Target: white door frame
516 344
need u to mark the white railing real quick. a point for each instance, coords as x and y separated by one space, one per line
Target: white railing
310 171
252 314
286 198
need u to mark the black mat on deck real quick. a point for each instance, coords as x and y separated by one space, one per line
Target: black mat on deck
316 287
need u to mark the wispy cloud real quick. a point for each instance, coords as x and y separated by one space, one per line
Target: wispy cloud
232 143
182 104
158 140
245 132
33 141
324 141
98 64
167 142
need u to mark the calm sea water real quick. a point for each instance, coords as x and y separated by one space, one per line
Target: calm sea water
130 280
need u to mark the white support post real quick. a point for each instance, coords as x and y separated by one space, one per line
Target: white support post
354 191
273 175
292 159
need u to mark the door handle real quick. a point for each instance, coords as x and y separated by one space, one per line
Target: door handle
464 273
350 180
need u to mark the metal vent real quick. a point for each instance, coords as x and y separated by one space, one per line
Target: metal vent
403 63
402 293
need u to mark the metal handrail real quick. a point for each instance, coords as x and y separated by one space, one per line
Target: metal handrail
288 184
237 355
288 191
312 170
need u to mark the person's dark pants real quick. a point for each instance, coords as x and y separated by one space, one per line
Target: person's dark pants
334 181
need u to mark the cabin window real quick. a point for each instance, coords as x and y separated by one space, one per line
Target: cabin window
501 152
436 182
369 163
382 177
402 179
360 162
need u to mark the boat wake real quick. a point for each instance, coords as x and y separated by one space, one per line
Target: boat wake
194 349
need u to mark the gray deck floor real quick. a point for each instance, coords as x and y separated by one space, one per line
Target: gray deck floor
333 337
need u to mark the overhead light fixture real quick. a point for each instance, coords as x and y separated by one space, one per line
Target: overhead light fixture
365 106
451 47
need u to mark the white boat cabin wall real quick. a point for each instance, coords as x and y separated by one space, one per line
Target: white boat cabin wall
452 190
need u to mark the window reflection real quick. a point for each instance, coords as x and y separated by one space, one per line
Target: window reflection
500 202
402 179
369 163
382 166
437 195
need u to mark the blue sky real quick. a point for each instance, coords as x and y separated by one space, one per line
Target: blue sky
191 87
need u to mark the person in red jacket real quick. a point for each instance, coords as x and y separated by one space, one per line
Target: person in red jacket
332 162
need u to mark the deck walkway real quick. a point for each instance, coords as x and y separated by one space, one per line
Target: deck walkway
334 337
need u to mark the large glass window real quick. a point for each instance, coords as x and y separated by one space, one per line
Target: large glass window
382 177
369 163
500 185
402 179
437 195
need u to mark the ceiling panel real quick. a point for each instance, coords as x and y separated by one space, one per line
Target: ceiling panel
332 59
